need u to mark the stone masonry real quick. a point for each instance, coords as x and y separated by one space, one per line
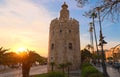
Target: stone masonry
64 42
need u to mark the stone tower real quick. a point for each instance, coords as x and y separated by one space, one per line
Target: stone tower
64 42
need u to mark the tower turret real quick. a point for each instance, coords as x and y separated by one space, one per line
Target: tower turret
64 13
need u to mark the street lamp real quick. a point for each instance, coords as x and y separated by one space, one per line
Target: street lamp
102 41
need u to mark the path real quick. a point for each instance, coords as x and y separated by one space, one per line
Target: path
18 72
111 71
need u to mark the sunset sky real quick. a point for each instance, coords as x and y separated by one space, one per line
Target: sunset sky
25 24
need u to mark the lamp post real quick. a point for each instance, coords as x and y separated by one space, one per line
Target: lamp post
101 44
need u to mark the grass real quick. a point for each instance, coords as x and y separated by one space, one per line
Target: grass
39 75
50 74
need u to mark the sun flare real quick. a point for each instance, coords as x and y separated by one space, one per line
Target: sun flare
22 49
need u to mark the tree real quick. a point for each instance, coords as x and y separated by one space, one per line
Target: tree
62 66
2 54
110 8
11 59
27 59
86 55
68 64
89 47
52 65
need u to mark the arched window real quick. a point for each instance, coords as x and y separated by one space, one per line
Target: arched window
70 46
52 46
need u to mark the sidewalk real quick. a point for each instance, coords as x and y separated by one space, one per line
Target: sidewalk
75 73
111 71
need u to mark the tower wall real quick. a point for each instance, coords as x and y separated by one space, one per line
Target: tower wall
64 42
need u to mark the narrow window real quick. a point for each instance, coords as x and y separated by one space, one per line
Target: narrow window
70 45
51 58
60 31
52 46
69 31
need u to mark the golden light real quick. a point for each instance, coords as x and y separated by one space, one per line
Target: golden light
22 49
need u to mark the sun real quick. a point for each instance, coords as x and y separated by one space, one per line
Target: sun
22 49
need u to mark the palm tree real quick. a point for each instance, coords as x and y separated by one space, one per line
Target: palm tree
62 66
93 16
27 59
2 56
52 65
68 64
11 59
89 47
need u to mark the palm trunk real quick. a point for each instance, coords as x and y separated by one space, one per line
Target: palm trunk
25 70
95 38
52 68
63 70
68 71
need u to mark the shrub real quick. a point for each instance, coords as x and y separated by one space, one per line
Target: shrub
85 65
89 71
55 74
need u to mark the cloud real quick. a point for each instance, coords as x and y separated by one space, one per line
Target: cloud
24 23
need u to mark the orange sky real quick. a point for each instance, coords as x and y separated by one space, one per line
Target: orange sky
25 23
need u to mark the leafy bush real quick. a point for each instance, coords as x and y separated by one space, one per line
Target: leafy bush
89 71
85 65
55 74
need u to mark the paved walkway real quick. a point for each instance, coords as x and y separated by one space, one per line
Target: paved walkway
75 73
18 72
111 71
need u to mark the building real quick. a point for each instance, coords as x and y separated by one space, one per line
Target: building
115 53
64 42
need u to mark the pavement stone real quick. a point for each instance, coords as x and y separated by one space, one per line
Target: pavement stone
111 71
75 73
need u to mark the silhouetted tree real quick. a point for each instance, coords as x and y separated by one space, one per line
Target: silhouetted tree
11 59
28 58
2 55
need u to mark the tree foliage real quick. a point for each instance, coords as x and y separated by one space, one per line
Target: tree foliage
52 65
85 55
2 55
109 8
27 59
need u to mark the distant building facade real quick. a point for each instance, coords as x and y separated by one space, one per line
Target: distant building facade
115 53
64 41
